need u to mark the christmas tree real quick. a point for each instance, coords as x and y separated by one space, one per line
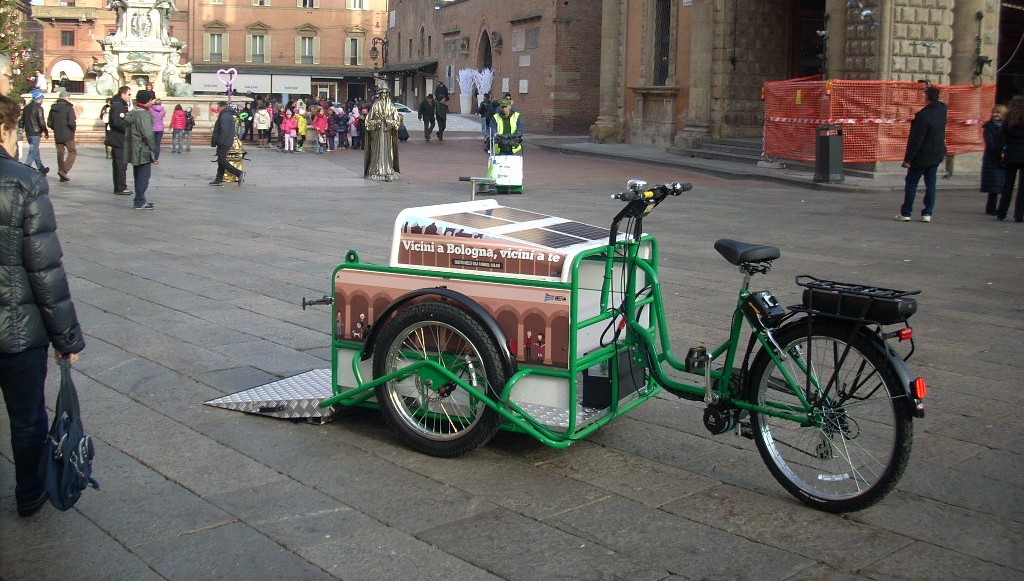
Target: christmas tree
14 44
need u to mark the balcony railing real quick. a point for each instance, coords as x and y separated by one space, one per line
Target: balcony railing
216 57
307 59
259 58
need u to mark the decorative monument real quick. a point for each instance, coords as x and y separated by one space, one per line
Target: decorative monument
142 53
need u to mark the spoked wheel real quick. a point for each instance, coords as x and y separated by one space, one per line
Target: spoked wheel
430 412
859 440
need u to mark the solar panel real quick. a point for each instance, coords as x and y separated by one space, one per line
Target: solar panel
512 214
546 237
584 231
472 220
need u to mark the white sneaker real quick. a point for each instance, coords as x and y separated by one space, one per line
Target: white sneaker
926 218
902 218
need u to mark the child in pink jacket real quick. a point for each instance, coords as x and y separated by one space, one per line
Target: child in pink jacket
290 128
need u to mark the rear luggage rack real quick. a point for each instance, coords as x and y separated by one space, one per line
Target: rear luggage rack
855 301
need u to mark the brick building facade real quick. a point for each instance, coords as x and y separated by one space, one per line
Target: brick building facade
546 54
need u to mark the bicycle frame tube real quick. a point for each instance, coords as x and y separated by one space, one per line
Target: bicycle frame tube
645 337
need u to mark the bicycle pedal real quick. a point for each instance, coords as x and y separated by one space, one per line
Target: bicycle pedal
744 429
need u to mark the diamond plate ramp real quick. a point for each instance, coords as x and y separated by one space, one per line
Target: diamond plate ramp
295 397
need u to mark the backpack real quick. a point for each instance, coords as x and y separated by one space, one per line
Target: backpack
190 121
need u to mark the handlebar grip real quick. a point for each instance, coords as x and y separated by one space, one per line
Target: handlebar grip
674 188
678 188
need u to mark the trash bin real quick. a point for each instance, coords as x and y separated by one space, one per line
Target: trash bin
828 159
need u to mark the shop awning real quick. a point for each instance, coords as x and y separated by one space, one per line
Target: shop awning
243 83
292 84
411 67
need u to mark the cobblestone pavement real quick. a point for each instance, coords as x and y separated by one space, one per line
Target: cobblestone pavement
200 298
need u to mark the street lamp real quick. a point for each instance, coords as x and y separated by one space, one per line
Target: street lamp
375 52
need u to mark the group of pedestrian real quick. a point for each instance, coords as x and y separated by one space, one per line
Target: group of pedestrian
38 312
61 119
1003 160
499 114
433 112
286 127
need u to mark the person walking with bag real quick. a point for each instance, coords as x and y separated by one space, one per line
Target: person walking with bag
30 256
223 138
62 120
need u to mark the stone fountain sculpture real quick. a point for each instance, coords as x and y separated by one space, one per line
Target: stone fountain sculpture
141 52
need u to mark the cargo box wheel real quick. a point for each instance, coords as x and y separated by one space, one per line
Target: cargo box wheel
430 412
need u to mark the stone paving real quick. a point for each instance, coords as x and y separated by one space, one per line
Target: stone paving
200 298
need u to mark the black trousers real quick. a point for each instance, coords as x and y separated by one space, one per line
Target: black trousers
120 169
223 165
22 376
1013 171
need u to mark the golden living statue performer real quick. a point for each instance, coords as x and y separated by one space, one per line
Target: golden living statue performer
382 122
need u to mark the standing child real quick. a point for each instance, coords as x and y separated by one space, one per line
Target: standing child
158 113
355 133
343 127
178 122
290 128
303 122
320 125
190 124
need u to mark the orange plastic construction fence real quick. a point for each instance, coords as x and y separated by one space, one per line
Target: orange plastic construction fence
874 116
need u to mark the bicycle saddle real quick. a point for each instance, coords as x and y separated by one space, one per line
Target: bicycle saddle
740 252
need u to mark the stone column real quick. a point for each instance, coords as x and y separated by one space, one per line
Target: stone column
968 32
835 24
609 124
698 112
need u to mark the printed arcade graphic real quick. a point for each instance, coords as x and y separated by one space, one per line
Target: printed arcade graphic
535 320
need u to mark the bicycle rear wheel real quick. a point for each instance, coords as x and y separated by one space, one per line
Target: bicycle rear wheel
859 441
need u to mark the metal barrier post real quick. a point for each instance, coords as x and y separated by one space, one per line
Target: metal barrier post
476 183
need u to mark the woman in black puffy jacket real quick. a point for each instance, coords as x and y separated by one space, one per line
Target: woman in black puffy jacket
1013 159
35 308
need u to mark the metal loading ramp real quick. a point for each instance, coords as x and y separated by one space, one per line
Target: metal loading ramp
296 397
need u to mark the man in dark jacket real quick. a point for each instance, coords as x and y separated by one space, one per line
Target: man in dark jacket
115 139
223 138
38 313
426 114
140 146
441 113
926 148
487 109
34 123
62 120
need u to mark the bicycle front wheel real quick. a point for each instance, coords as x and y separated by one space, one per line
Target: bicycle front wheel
858 441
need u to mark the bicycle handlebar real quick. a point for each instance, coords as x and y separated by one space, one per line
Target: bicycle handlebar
640 191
